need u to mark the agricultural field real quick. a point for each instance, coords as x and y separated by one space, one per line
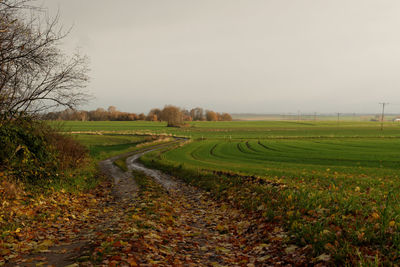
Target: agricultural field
334 187
336 194
103 146
240 129
311 117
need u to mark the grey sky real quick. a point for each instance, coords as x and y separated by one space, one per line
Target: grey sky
238 56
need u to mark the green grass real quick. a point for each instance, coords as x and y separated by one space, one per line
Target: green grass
121 163
334 186
293 157
244 129
333 194
105 146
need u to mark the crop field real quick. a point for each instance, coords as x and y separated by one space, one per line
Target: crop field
338 195
103 146
332 157
241 129
334 187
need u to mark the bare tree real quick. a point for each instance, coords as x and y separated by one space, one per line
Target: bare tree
197 114
113 113
34 73
154 115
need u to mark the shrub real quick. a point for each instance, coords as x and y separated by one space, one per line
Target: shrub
69 152
33 152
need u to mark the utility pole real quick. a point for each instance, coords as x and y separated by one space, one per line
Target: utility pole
338 118
383 113
315 116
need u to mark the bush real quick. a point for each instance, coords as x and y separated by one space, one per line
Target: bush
33 152
69 152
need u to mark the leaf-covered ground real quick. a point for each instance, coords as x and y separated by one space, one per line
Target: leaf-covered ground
147 226
36 229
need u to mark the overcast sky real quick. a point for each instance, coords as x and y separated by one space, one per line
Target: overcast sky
238 56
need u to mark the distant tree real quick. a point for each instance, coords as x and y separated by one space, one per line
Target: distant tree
67 114
99 114
132 117
185 112
226 117
211 115
187 117
197 114
112 109
152 118
154 115
172 115
113 113
51 116
82 115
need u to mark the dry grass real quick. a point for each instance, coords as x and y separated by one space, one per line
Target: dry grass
70 153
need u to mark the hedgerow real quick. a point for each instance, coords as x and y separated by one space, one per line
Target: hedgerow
32 152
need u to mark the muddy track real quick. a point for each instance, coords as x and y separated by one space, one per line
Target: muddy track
163 179
124 184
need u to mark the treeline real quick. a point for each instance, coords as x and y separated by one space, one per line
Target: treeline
196 114
171 114
100 114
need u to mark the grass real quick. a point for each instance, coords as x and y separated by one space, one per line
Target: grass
105 146
311 187
332 157
334 186
243 129
121 163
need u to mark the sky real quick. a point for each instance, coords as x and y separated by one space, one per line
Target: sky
238 56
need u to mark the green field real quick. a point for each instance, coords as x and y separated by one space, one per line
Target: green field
334 187
104 146
243 129
332 157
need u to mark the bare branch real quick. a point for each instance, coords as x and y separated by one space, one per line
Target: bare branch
34 74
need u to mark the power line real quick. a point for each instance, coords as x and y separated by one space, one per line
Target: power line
383 113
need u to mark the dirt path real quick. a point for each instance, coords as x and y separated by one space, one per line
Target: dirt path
124 187
165 180
148 218
212 233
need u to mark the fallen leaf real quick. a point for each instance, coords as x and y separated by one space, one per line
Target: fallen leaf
323 257
290 249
